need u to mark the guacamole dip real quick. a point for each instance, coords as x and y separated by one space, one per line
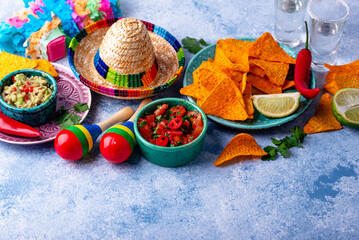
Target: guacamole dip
27 92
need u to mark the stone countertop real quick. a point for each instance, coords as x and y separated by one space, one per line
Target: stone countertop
311 194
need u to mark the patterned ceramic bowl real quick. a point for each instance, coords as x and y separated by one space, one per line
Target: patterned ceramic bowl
171 156
30 116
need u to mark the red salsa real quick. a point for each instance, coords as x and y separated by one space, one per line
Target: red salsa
170 126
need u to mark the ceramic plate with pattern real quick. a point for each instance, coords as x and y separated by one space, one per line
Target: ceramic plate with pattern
259 121
70 91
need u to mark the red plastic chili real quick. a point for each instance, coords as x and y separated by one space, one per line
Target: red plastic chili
175 123
302 71
162 140
13 127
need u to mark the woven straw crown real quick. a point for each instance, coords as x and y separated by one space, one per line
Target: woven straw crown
127 47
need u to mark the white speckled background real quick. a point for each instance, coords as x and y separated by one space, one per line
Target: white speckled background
311 194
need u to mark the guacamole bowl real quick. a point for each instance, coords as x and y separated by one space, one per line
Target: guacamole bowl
32 116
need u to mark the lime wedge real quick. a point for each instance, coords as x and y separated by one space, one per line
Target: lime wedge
345 106
276 105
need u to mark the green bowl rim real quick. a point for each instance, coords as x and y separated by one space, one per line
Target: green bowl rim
188 145
34 109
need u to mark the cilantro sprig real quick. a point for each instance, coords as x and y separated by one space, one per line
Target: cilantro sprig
69 117
193 45
282 145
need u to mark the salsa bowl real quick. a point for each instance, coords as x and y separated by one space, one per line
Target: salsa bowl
170 156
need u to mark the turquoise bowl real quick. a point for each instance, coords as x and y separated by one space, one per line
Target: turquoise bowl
30 116
171 156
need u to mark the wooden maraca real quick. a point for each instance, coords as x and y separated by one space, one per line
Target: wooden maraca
76 141
118 142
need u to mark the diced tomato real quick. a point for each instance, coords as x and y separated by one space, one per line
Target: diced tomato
161 110
190 137
186 126
178 111
151 120
145 131
161 128
177 141
197 123
175 123
139 121
151 140
162 140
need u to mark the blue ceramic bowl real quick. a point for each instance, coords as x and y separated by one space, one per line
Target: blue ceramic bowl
30 116
170 156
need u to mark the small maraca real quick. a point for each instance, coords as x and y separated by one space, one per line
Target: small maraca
76 141
117 143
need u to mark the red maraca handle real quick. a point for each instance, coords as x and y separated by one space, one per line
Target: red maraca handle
142 104
120 116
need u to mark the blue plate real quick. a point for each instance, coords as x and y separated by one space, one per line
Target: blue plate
259 121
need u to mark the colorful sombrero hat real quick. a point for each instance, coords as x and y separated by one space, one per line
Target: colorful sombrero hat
126 58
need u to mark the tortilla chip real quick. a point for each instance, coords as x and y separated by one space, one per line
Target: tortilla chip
350 68
256 91
233 53
195 90
288 84
10 62
335 82
225 101
276 71
46 66
323 120
242 146
255 69
263 84
248 104
266 48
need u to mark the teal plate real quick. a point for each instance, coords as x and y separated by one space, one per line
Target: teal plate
259 121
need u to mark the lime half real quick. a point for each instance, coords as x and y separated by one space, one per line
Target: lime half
276 105
345 106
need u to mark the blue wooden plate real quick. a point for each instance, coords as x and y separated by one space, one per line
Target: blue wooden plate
259 121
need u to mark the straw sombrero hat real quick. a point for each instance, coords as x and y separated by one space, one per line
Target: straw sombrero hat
126 58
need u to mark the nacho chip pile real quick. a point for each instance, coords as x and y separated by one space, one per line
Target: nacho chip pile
223 85
342 76
323 120
242 147
10 62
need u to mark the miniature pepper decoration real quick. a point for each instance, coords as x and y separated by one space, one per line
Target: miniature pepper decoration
13 127
302 71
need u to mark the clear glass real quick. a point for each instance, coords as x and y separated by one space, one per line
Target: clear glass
327 21
289 21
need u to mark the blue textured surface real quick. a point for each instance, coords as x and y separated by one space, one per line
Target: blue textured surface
311 194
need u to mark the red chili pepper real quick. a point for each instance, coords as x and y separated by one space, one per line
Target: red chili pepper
302 71
13 127
175 123
175 133
162 140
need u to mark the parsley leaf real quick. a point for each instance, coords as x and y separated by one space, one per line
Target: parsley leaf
81 107
68 117
193 45
282 145
203 43
143 123
271 153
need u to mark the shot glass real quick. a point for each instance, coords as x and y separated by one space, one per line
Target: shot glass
327 21
289 21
